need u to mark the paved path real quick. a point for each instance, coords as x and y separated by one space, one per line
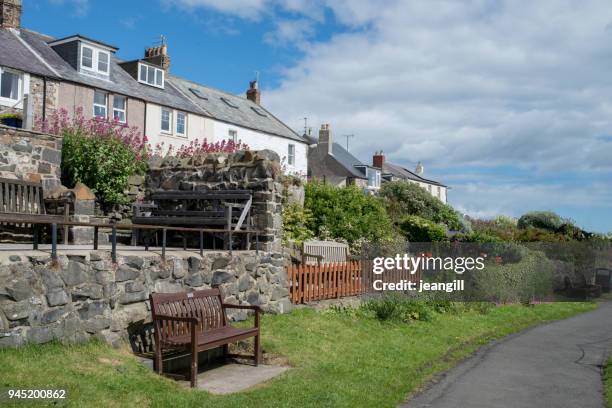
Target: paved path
555 365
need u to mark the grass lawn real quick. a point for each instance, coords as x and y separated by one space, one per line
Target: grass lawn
339 361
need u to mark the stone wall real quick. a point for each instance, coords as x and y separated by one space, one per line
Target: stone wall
49 97
30 156
258 171
85 295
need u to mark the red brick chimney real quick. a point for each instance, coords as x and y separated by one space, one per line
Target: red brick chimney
10 14
253 94
158 56
378 160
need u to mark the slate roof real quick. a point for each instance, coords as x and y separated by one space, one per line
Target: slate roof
14 54
403 173
234 109
120 81
347 160
176 93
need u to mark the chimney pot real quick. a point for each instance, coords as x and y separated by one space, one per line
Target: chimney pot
10 14
253 94
158 56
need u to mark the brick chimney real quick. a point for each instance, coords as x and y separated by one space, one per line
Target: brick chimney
326 140
158 56
10 14
253 94
378 160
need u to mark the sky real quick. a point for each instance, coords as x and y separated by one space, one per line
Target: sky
508 102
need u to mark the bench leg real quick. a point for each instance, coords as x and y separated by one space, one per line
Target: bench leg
225 351
159 364
257 351
194 366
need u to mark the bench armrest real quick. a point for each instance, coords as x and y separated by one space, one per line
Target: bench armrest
256 308
177 318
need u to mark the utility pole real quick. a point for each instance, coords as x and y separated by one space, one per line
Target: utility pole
347 140
305 126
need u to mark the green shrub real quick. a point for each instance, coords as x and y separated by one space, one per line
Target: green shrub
500 228
418 229
522 281
399 308
295 224
346 213
100 153
404 198
546 220
103 164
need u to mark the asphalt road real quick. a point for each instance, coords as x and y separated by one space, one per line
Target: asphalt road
555 365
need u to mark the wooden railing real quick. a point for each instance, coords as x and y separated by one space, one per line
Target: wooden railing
308 283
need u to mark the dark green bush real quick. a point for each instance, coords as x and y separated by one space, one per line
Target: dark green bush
404 198
546 220
346 213
418 229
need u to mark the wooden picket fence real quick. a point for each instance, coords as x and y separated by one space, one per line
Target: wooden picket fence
308 283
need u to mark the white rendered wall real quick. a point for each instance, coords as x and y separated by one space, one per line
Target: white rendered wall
259 141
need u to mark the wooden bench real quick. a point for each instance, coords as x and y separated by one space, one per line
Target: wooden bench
196 321
19 198
228 208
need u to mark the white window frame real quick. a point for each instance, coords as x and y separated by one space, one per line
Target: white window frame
170 122
95 58
291 154
105 106
124 110
157 73
184 133
23 82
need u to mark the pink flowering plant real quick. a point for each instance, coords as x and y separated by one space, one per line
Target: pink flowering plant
100 153
199 148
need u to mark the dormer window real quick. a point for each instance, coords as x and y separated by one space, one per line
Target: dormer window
151 75
86 55
94 60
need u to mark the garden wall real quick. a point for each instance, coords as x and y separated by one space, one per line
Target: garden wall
85 295
258 171
30 156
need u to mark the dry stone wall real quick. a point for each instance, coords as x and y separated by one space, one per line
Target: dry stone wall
30 156
258 171
85 295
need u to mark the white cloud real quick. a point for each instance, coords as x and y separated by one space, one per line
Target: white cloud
250 9
477 83
290 33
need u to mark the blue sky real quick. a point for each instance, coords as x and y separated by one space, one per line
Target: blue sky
509 103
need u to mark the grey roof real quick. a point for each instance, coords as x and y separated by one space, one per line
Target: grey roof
403 173
347 160
234 109
91 40
120 81
176 93
14 54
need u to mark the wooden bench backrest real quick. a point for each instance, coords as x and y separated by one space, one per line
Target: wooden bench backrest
204 304
23 197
